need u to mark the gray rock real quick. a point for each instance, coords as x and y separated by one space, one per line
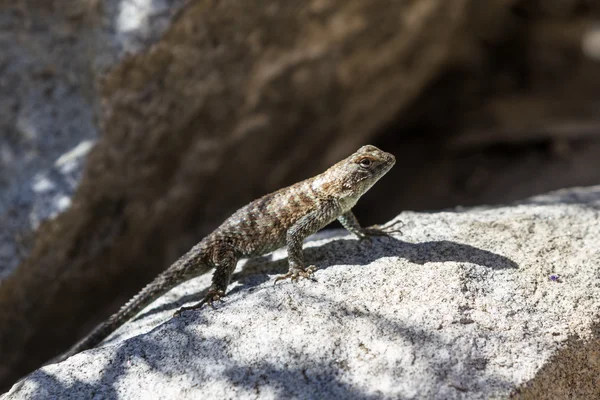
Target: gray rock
44 113
130 26
465 304
49 58
32 202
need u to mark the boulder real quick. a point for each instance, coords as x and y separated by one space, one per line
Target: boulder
466 303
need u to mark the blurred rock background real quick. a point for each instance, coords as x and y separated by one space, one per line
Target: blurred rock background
130 128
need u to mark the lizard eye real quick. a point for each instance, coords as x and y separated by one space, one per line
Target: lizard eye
365 163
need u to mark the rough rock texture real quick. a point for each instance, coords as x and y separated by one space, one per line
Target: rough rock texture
209 104
36 199
466 304
44 113
50 56
231 86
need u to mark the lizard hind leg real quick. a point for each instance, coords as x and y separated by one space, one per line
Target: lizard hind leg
212 295
224 262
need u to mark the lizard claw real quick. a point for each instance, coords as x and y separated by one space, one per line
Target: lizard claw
298 273
377 230
212 295
394 227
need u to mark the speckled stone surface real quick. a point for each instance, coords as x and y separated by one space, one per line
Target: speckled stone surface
50 57
465 304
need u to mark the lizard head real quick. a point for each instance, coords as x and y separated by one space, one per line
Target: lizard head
353 176
365 167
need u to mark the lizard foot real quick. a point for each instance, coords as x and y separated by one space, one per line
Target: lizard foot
298 273
212 295
378 230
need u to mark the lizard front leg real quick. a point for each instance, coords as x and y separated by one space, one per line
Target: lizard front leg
349 221
305 226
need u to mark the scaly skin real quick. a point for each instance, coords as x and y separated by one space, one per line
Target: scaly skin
285 217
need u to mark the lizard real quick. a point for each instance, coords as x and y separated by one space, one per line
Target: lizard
284 217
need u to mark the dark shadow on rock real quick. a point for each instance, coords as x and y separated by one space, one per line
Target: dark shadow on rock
351 251
145 349
572 372
313 378
367 251
48 387
445 250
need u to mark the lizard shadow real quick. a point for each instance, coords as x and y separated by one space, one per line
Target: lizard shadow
339 252
350 251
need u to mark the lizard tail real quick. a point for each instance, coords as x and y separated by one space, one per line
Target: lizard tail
167 280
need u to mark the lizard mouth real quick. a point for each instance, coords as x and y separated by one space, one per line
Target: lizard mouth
390 160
